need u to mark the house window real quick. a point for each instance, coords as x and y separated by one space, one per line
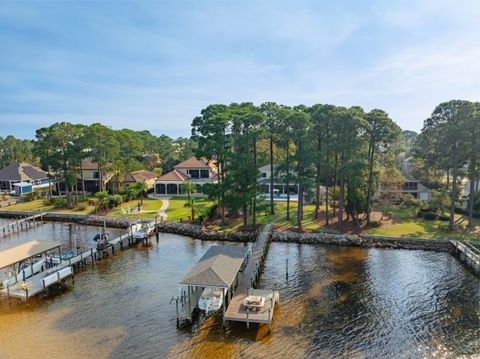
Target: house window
194 173
204 173
96 175
410 186
264 174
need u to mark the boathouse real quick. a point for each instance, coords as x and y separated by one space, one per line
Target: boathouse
218 268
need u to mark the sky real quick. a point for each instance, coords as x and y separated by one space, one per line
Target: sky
156 64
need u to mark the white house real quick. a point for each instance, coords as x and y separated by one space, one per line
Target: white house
279 186
198 171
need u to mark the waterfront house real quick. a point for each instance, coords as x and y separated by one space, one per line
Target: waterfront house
21 178
466 192
91 174
280 189
413 186
199 171
141 176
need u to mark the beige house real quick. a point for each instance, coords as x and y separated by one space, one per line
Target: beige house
141 176
198 171
90 174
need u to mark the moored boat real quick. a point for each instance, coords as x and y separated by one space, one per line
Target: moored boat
211 300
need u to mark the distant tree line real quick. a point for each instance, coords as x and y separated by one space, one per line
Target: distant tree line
340 148
13 149
60 148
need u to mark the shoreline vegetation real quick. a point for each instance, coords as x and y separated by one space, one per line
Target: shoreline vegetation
399 222
198 232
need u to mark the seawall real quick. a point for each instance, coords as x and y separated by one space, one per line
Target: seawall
197 231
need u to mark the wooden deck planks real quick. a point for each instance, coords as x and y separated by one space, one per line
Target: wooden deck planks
236 310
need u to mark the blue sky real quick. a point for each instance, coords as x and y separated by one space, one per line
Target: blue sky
154 65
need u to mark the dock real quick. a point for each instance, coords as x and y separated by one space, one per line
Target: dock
236 311
218 269
22 224
33 280
469 254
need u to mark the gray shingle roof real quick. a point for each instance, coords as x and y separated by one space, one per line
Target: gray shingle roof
218 267
19 171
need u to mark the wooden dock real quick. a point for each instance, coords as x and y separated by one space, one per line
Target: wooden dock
236 311
469 254
38 283
22 224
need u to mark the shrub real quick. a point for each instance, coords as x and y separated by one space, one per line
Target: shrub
56 202
81 207
444 218
375 224
32 196
211 212
465 212
430 216
412 202
117 199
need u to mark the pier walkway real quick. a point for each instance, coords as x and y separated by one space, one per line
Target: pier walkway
40 281
469 254
21 224
236 311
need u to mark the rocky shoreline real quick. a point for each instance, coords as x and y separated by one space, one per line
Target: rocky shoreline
196 231
363 241
90 220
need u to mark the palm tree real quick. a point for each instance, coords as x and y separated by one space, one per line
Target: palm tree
190 188
102 200
138 189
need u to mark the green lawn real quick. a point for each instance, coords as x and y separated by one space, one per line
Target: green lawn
39 205
279 218
176 209
149 204
406 224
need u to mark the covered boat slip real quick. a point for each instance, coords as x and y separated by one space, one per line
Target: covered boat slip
23 252
218 268
33 279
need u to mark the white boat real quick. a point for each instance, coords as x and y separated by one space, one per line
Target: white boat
211 300
254 303
142 232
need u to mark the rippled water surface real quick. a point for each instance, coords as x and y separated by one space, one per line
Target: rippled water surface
336 303
70 235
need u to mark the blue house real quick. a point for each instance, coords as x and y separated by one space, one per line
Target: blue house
20 178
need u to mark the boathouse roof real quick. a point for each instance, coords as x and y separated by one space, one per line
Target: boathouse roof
218 267
25 251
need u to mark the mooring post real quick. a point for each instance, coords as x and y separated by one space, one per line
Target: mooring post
178 315
286 268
